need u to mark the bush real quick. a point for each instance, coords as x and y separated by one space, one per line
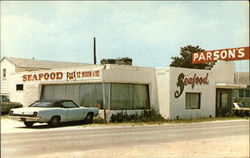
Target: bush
99 120
146 116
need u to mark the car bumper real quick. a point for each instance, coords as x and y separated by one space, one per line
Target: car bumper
25 118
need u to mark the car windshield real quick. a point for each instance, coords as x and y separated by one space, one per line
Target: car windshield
3 98
42 104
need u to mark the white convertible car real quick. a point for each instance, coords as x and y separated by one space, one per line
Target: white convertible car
53 112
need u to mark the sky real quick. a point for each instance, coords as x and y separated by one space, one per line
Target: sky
149 32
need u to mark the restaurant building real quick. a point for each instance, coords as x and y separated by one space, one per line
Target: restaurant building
175 93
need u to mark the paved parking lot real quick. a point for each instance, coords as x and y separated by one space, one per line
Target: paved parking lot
11 126
222 139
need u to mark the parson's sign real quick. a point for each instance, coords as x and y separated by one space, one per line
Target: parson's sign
182 81
241 53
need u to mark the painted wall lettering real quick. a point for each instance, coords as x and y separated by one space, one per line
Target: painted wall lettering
180 84
43 76
71 76
182 81
60 75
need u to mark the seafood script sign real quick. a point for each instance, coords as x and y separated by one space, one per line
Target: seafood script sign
183 81
241 53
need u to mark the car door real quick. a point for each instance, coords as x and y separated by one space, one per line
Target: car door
73 110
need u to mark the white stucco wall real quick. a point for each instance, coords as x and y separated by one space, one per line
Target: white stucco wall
163 85
171 107
224 71
132 74
207 91
112 73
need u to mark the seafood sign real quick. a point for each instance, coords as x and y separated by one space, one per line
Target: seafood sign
74 75
182 81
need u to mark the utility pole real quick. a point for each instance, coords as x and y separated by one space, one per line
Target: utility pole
94 52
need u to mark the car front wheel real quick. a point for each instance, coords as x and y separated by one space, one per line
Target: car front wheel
55 121
28 124
89 118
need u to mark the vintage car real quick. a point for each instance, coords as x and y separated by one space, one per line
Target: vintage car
241 109
53 112
6 104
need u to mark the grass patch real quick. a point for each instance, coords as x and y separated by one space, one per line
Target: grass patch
196 120
145 116
181 121
148 119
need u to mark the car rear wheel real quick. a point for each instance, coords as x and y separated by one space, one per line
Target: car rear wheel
28 124
55 121
89 118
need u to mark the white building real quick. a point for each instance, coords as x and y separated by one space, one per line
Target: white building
174 92
192 93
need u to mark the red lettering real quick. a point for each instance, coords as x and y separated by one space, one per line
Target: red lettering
78 74
205 81
52 75
186 81
29 77
40 76
190 81
59 75
87 74
24 78
96 73
46 76
193 82
196 80
34 77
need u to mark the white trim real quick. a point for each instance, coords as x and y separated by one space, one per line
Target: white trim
230 85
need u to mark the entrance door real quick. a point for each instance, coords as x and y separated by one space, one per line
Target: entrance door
223 102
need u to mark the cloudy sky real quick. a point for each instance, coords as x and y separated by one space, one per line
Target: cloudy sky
148 32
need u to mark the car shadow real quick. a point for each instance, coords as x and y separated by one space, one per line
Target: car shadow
46 126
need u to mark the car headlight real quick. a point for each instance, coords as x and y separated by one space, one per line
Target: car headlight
11 112
35 114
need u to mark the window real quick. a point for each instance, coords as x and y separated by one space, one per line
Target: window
224 99
19 87
241 93
129 97
117 96
193 100
4 73
89 94
69 104
247 93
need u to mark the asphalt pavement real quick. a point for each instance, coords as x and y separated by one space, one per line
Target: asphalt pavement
42 143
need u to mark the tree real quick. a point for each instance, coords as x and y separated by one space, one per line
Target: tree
186 58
